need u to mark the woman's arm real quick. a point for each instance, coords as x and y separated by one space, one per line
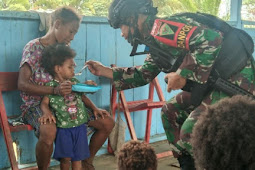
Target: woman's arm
26 86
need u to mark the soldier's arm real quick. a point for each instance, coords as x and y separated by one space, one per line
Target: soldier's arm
131 77
205 46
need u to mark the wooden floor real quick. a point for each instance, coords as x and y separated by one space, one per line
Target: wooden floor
109 162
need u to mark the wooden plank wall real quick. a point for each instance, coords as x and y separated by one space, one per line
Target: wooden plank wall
96 40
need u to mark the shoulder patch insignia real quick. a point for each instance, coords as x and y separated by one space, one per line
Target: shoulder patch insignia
172 33
165 30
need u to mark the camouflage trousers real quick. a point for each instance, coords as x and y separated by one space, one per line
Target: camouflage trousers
178 118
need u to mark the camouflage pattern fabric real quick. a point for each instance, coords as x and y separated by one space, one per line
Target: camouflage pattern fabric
178 116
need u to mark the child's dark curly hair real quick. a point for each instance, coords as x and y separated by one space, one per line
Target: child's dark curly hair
224 136
54 55
135 155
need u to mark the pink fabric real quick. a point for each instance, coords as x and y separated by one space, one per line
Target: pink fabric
32 54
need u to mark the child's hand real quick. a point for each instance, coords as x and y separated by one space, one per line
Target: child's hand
47 117
101 113
90 82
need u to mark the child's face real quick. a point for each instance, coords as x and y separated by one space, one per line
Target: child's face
66 70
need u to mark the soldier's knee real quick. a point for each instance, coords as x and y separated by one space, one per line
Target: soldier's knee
169 109
186 130
163 109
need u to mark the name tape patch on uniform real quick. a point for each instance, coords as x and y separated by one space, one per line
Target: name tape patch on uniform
172 33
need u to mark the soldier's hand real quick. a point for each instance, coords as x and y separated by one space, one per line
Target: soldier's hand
174 81
95 67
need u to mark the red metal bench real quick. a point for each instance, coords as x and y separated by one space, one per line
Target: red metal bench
8 82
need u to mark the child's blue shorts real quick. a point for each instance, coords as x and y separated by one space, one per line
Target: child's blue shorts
71 143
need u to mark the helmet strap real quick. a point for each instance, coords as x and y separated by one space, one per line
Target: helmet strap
136 33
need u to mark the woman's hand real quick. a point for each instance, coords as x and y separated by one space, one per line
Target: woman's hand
64 88
47 117
100 113
174 81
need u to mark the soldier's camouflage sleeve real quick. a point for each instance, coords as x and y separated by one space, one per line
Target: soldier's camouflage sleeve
130 77
205 45
245 78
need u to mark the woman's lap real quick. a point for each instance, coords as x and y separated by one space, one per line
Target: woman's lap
34 113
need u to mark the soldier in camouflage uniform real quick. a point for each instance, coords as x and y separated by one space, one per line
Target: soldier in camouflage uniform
180 36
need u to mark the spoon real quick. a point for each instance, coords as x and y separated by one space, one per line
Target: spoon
80 72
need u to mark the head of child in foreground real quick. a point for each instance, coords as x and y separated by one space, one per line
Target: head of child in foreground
135 155
58 60
224 136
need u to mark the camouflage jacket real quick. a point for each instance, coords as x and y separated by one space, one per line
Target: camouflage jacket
202 48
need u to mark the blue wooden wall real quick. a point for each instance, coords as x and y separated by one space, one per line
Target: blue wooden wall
96 40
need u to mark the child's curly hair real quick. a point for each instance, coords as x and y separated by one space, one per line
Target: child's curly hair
135 155
54 55
224 136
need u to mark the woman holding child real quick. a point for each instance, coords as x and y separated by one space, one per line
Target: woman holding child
64 25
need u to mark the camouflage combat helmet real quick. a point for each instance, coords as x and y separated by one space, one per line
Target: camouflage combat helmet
121 10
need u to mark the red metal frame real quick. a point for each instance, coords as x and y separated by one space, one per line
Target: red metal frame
8 82
131 106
